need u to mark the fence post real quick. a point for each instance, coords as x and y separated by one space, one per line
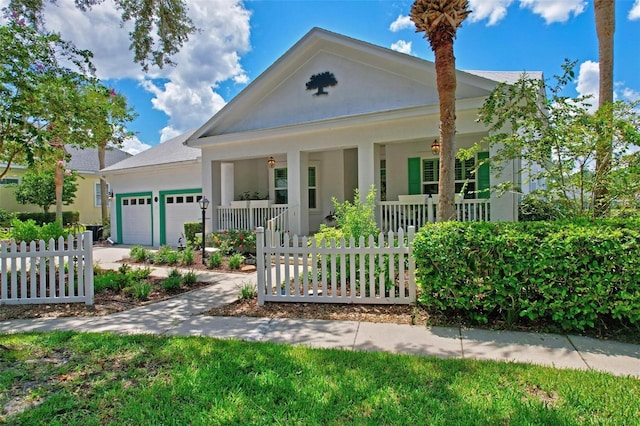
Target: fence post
412 264
260 266
87 247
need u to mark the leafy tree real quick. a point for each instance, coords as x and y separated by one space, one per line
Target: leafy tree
38 187
161 27
440 20
105 115
555 139
34 91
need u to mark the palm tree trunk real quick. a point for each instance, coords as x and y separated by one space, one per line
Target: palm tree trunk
605 26
446 82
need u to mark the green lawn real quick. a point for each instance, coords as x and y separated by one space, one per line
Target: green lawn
89 379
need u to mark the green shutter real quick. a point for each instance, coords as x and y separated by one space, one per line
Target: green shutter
415 182
483 176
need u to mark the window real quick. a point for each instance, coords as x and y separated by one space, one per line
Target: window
280 186
465 175
383 180
430 176
9 181
96 191
313 188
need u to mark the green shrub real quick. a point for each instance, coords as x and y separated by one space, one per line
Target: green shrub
26 231
172 257
104 280
187 256
139 254
172 283
41 218
248 291
535 207
215 260
52 230
189 278
575 274
6 217
163 255
190 231
139 274
235 261
139 290
234 241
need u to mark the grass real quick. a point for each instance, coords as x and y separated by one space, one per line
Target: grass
88 379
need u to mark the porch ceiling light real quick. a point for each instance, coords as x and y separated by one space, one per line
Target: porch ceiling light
435 146
271 162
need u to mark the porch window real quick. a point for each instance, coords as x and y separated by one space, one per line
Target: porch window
96 191
465 175
313 188
280 186
281 181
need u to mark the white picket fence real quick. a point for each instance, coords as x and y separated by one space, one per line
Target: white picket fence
47 273
382 271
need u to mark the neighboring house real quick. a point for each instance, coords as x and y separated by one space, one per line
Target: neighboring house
155 192
331 115
87 201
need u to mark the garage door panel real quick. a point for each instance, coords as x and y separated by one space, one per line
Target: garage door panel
178 210
136 220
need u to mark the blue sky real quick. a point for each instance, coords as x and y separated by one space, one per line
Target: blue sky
240 39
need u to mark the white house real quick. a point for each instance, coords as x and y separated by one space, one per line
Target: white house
331 115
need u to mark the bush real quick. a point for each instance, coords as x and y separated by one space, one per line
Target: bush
139 290
41 218
190 231
189 278
164 255
6 217
104 280
139 254
187 256
535 207
172 283
235 261
248 291
26 231
235 241
574 274
52 230
215 260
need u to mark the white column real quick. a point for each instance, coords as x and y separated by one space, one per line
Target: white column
504 208
294 185
366 169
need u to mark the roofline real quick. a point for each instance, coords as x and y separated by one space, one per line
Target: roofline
170 164
334 123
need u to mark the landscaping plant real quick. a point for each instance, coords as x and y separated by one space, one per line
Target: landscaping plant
235 261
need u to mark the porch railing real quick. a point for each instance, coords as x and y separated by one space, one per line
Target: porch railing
394 215
232 217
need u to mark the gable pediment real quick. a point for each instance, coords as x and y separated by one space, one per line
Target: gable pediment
369 79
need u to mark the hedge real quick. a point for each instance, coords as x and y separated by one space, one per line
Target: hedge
68 218
576 275
190 231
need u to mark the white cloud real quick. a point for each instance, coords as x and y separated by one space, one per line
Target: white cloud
134 146
630 94
555 10
493 10
403 22
634 13
402 46
185 92
588 82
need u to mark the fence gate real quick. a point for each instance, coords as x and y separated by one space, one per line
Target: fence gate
60 272
380 271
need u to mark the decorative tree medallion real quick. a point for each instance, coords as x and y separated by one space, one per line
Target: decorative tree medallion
320 81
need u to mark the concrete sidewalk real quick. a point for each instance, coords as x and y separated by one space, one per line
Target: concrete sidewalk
180 316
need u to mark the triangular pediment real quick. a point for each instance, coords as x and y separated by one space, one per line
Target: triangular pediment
368 79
